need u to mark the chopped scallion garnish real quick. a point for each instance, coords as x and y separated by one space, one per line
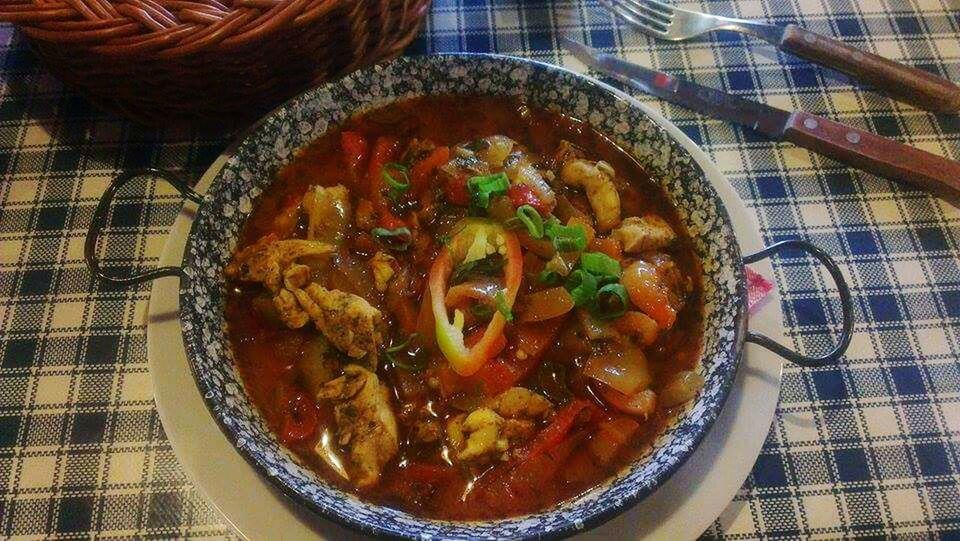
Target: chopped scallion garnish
565 238
611 301
532 220
582 287
550 278
402 346
485 187
599 264
397 178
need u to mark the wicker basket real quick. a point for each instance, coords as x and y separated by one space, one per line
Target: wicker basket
208 62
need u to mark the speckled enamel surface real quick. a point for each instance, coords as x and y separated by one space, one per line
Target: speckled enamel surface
275 141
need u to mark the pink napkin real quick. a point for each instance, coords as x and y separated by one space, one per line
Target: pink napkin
757 288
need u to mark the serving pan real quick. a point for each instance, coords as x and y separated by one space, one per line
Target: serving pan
273 142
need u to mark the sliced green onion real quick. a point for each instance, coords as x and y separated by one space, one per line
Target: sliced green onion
599 264
389 354
502 306
550 278
485 187
401 183
532 220
565 238
402 345
582 287
611 301
395 239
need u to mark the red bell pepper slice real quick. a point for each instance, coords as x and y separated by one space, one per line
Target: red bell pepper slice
465 360
422 170
557 430
385 150
355 151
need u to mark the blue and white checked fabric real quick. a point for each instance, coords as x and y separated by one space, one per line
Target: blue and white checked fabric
867 448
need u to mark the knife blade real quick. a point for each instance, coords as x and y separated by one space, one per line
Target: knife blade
859 148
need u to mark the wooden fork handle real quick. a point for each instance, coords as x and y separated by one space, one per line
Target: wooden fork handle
901 82
875 154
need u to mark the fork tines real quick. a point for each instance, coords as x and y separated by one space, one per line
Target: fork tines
650 15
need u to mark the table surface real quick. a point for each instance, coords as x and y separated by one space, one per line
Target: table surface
871 446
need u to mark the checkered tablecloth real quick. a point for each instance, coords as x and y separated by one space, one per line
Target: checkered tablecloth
871 447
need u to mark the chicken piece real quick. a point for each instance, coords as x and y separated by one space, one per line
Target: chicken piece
477 435
492 429
596 178
296 276
519 402
520 169
328 212
566 151
383 265
645 234
366 425
348 321
265 261
289 309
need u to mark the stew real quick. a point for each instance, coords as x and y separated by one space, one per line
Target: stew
465 307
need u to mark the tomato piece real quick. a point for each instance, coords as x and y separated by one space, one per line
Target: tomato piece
455 191
521 194
299 416
355 151
607 246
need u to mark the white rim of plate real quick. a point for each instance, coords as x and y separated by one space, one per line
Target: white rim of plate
682 508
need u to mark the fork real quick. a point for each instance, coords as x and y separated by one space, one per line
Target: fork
901 82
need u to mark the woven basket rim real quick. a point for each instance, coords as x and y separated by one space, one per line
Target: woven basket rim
170 29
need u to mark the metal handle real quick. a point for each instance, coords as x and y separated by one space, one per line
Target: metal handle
99 222
846 304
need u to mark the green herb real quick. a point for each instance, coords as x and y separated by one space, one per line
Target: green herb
565 238
532 220
502 306
409 367
398 184
395 239
488 266
550 278
582 287
611 302
599 264
483 188
482 311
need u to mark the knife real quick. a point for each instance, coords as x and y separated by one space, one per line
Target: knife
861 149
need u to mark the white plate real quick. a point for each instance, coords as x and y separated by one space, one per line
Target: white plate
681 509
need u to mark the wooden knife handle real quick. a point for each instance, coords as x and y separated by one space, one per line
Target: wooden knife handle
910 85
878 155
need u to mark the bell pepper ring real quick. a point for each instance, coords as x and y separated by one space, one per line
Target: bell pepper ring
464 360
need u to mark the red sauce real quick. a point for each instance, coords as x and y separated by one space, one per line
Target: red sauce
419 479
